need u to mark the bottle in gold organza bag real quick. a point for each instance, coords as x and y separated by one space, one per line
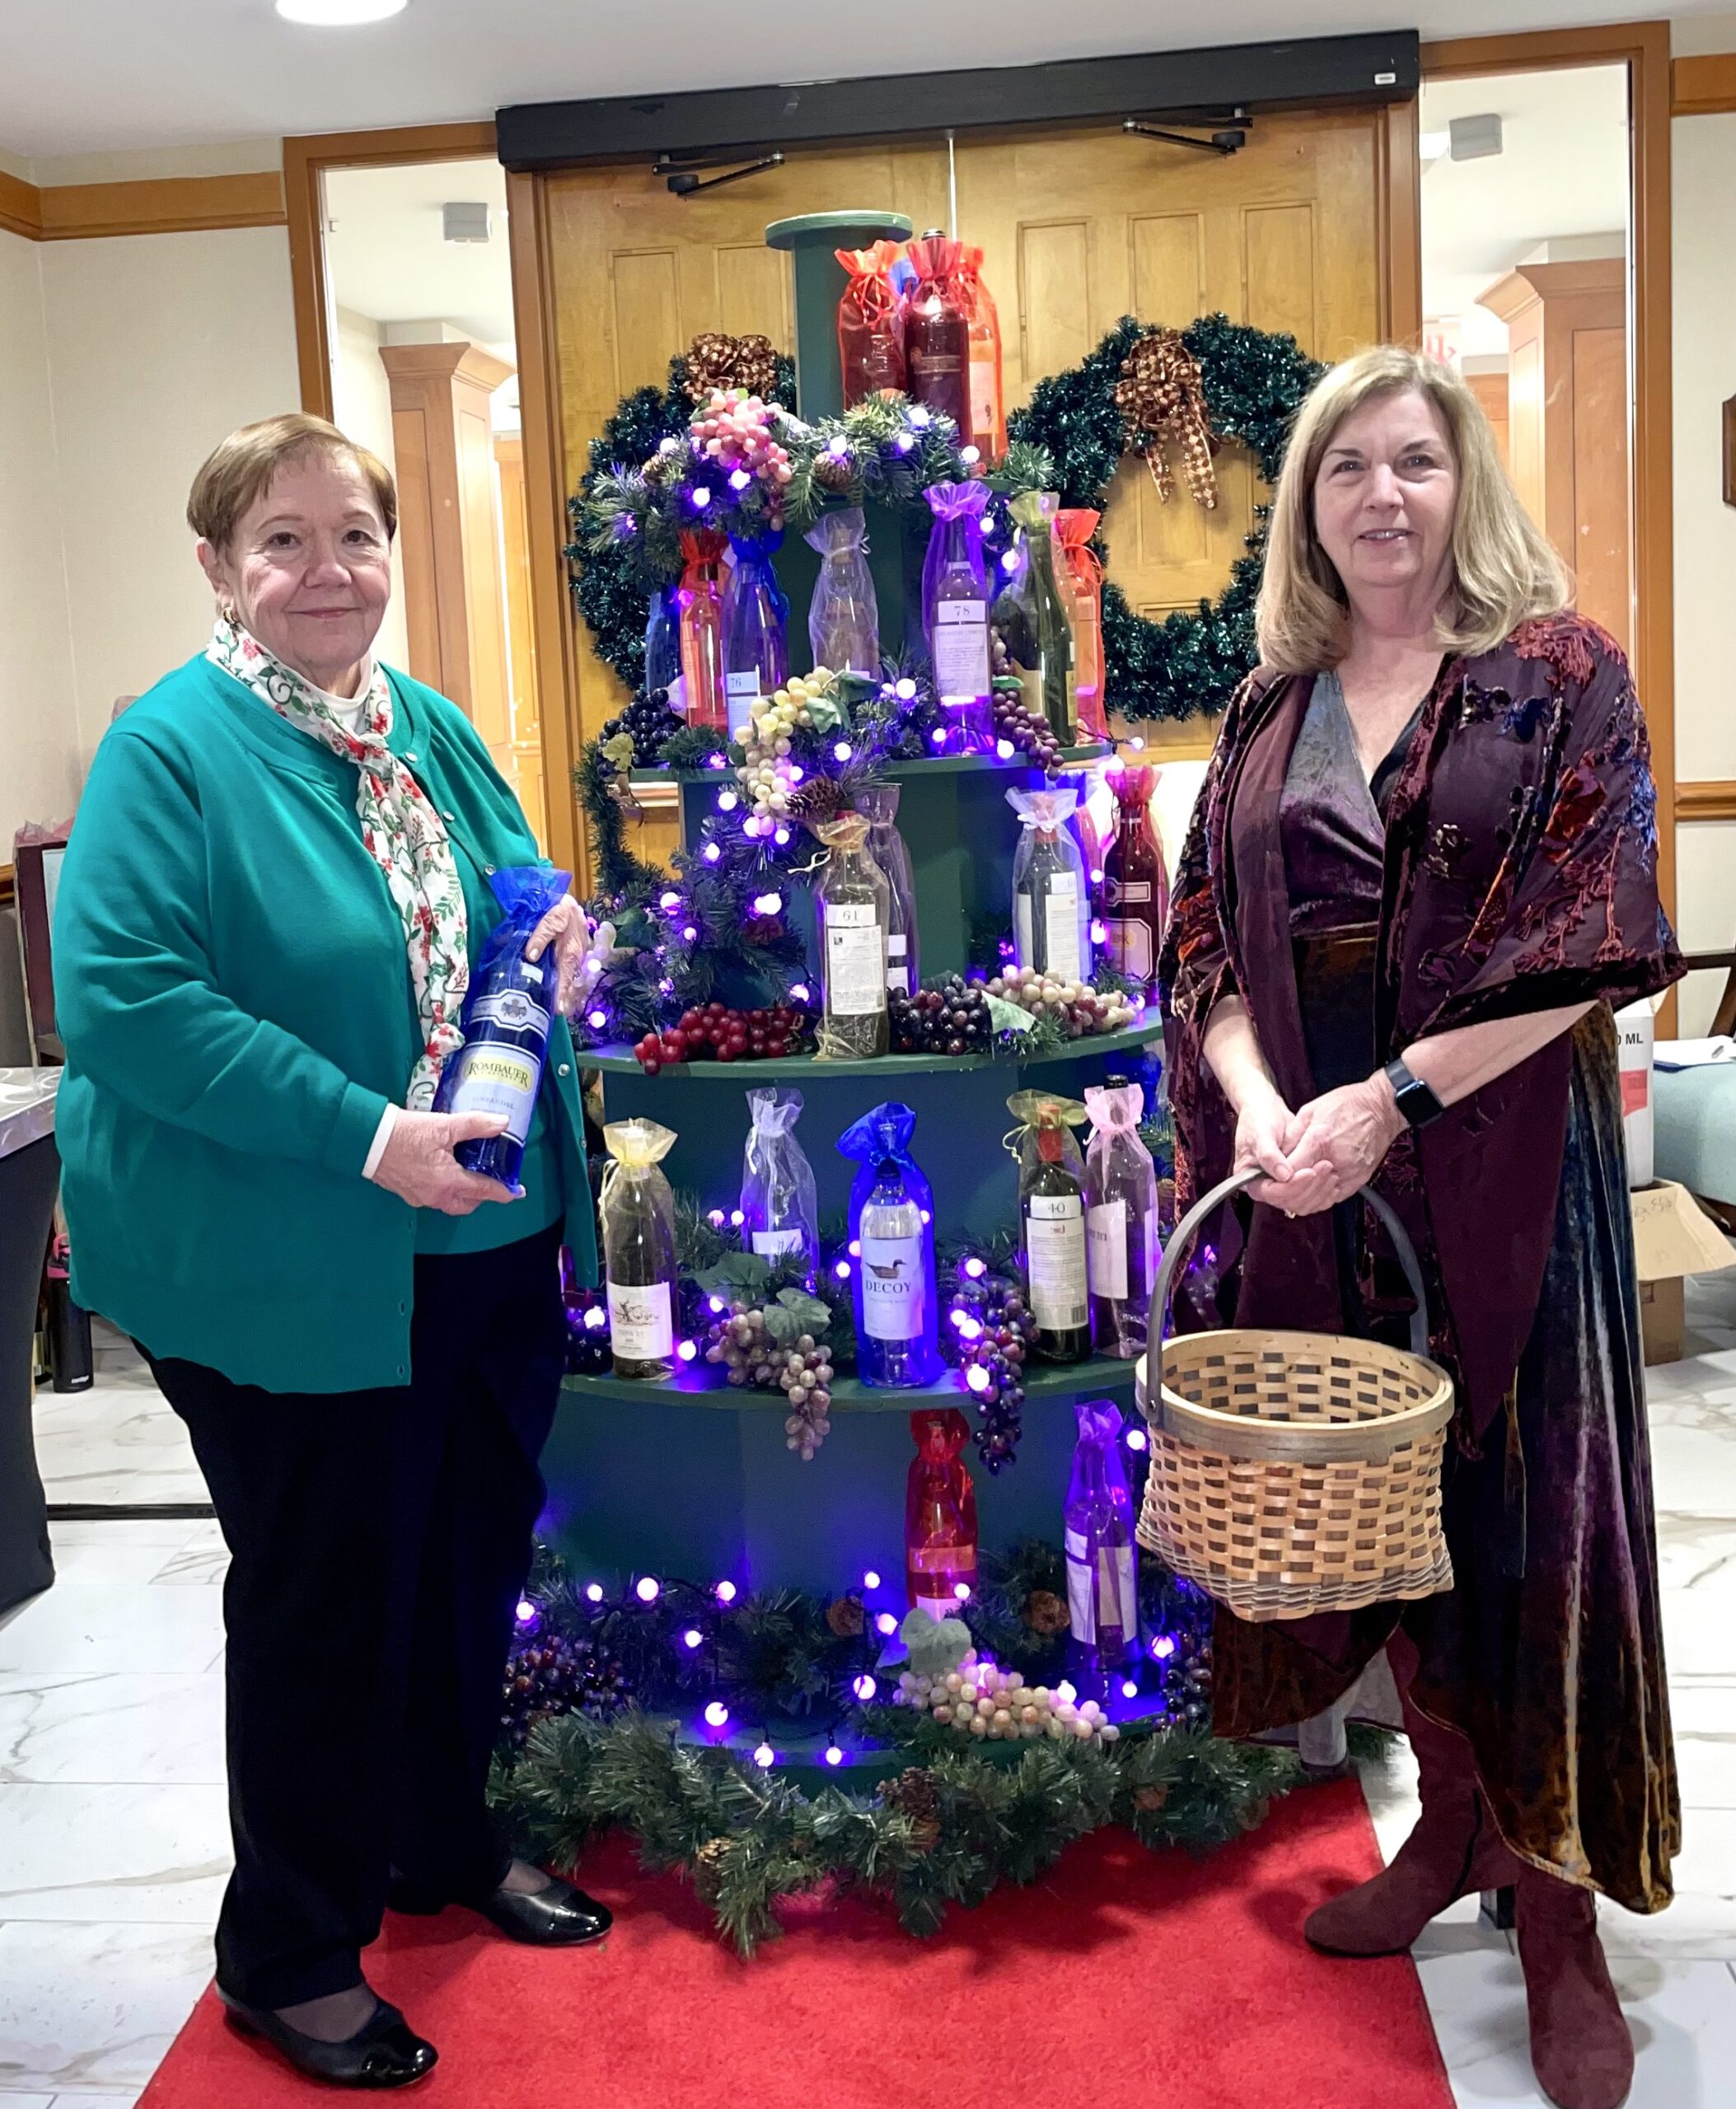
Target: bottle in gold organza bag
1051 1213
1032 618
853 909
638 1213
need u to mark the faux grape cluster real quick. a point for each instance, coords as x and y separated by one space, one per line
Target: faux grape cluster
765 774
982 1699
1015 722
1079 1008
717 1032
737 432
947 1018
994 1332
648 721
555 1674
742 1345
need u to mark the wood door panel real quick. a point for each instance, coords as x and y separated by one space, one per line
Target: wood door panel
1167 260
1280 272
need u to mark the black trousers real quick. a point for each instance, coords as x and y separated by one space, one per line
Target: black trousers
379 1541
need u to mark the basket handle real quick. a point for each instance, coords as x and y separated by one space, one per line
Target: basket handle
1184 1233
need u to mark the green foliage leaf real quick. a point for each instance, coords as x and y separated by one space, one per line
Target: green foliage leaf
746 1272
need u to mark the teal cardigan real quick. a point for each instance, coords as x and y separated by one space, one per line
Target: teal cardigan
232 988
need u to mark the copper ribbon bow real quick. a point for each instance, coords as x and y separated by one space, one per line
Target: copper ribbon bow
717 360
1161 398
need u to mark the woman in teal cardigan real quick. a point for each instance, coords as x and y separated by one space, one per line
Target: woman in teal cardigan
267 912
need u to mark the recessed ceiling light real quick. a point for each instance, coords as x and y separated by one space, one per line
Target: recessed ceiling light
338 14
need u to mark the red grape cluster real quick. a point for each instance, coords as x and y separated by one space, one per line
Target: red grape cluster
729 1035
554 1673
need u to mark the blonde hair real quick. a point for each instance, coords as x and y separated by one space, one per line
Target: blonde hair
243 466
1503 568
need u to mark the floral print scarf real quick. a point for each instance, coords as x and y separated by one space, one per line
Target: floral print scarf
401 831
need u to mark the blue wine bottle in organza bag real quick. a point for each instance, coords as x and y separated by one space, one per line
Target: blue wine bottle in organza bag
663 647
507 1011
891 1225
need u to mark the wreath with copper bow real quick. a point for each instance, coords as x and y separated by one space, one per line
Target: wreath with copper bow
1158 392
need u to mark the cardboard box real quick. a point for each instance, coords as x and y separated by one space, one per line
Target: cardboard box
1673 1236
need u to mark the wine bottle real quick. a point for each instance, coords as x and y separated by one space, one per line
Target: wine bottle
1135 891
854 905
1051 1209
940 1556
1122 1242
890 1218
754 619
637 1210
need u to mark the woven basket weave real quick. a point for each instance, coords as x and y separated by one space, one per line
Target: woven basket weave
1296 1472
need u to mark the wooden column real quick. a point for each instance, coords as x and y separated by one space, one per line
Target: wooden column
1567 421
449 521
527 776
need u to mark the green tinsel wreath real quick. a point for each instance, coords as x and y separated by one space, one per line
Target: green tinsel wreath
1188 665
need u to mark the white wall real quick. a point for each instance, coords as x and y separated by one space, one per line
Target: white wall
159 345
362 406
38 725
1703 221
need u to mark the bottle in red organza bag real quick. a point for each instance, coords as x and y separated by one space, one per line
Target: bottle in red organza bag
870 325
988 401
1081 591
700 596
1135 891
939 1514
936 332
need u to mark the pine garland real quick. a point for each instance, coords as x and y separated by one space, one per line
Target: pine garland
951 1828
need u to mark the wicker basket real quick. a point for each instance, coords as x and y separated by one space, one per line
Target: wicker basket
1296 1472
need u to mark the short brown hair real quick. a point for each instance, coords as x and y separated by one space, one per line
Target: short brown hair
1504 568
245 466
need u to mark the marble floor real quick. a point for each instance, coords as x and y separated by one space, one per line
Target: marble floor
114 1842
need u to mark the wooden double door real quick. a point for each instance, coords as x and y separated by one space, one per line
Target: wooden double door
1078 228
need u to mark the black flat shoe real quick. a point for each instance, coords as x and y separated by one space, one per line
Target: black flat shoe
559 1916
383 2052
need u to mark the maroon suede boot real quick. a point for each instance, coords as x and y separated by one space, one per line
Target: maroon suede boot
1580 2048
1454 1849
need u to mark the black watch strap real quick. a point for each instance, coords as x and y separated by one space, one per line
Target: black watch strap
1416 1101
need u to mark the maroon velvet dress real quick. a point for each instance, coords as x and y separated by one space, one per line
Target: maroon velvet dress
1513 868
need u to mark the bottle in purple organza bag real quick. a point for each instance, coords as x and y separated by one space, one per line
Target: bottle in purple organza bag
755 625
507 1011
955 614
1102 1595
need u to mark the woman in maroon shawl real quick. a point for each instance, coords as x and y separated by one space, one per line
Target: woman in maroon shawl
1421 871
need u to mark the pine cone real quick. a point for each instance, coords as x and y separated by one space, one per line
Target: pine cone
915 1793
832 473
846 1617
708 1869
1045 1613
1150 1798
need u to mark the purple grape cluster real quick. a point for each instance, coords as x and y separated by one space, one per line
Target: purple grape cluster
992 1360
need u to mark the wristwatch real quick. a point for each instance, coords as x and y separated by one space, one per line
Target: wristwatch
1416 1101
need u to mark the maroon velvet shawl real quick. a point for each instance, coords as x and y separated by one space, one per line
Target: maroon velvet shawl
1520 874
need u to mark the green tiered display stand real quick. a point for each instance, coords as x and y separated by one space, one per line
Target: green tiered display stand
693 1478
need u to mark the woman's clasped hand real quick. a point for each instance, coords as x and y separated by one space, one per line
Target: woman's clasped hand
1321 1154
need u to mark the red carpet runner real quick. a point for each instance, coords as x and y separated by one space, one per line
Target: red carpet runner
1123 1980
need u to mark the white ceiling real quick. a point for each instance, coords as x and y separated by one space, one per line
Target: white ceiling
1562 171
386 254
93 75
